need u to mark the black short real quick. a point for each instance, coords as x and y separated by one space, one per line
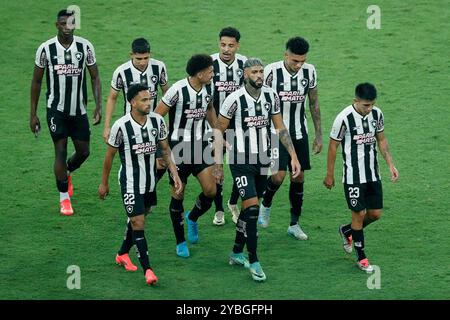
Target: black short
185 170
136 204
62 126
249 179
284 159
364 196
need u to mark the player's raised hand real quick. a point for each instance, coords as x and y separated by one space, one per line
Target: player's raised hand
296 168
103 191
97 116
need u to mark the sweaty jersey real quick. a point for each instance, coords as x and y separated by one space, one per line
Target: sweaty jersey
66 73
137 149
293 91
127 74
358 136
227 78
250 123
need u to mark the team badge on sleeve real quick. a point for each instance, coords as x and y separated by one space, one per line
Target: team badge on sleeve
380 124
276 108
90 57
163 78
232 109
43 59
269 79
118 140
119 81
162 131
173 101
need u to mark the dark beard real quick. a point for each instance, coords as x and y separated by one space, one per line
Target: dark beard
254 85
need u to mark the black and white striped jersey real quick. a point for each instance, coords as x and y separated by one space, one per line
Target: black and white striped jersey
137 149
127 74
66 73
358 136
187 114
293 91
227 78
250 123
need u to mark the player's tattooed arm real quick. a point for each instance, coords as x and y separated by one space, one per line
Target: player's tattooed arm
166 153
219 128
286 140
315 114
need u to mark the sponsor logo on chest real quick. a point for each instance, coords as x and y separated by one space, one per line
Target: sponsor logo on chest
144 148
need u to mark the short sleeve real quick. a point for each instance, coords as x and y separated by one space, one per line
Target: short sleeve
313 79
338 130
228 107
268 76
90 54
163 78
276 105
116 136
380 123
162 128
117 80
171 97
41 57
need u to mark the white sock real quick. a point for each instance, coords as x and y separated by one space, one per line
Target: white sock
63 196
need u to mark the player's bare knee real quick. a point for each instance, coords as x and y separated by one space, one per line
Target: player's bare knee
60 153
210 191
278 178
374 214
358 216
299 179
138 222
